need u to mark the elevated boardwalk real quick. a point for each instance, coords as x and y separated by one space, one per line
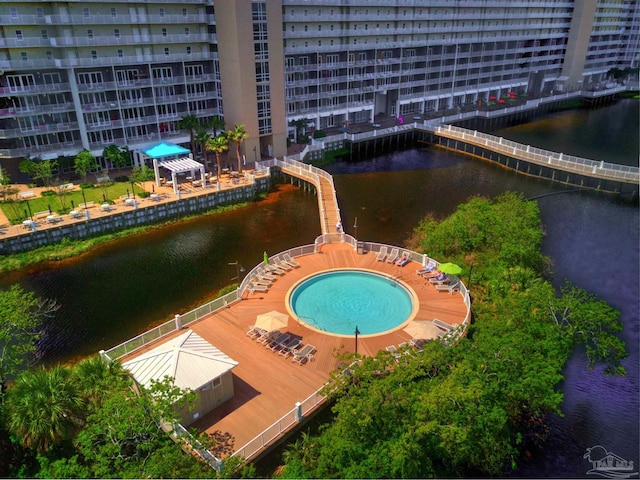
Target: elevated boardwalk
559 161
321 180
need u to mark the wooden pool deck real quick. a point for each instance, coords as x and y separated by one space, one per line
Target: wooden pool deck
267 386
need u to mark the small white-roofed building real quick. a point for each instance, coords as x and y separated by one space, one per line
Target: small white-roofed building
193 363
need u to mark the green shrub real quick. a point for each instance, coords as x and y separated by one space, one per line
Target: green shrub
47 193
85 185
143 194
319 134
122 178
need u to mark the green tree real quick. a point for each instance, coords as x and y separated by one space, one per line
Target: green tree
119 156
143 174
21 314
9 193
218 145
83 163
216 123
201 139
44 407
238 135
39 170
191 124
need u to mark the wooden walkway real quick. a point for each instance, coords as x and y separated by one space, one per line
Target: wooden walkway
267 385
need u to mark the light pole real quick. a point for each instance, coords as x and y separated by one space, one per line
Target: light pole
239 268
355 229
29 208
357 332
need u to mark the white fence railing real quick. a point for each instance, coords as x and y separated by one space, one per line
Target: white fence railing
560 161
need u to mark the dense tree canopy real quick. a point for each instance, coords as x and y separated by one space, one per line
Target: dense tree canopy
471 409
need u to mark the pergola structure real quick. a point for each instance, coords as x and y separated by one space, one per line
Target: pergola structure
174 158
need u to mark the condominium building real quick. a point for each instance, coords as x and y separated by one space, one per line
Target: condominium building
86 74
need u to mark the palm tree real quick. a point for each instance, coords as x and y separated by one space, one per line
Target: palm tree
201 139
218 144
190 123
216 123
95 377
238 135
44 408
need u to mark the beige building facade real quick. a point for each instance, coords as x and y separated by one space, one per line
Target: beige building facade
85 75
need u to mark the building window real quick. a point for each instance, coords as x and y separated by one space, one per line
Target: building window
188 50
14 12
90 33
184 12
161 11
116 32
114 12
186 30
85 11
45 34
49 56
166 50
24 56
164 32
94 54
120 53
39 12
19 34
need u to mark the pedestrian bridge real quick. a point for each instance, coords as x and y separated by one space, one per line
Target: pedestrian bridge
559 161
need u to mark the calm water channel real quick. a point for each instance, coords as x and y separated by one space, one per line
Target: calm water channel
125 287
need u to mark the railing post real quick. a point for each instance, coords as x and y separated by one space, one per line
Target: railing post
298 412
178 320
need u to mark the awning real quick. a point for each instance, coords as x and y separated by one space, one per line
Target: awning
180 165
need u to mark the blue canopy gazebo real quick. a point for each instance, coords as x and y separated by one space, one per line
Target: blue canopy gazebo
174 158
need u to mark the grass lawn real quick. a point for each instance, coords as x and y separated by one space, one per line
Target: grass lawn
15 211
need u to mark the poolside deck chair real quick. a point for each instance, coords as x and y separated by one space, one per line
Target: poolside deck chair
279 342
290 261
257 288
404 259
443 325
288 349
259 281
305 354
428 268
393 255
382 254
265 275
268 337
254 332
271 268
451 287
280 264
442 281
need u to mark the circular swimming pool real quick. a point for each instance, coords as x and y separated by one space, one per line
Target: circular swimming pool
338 301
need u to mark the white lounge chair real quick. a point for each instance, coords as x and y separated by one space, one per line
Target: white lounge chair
280 264
304 354
290 348
290 261
451 287
271 268
261 281
265 275
254 332
269 337
393 255
443 325
382 254
279 342
429 267
258 288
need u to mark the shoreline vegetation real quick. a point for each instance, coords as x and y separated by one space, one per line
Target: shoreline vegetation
72 248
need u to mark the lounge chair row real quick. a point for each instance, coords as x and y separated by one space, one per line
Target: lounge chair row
393 256
267 274
283 343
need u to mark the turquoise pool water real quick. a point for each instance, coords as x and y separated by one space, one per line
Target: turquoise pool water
337 302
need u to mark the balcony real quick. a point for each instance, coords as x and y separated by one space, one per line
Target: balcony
133 19
133 60
24 42
22 20
112 40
